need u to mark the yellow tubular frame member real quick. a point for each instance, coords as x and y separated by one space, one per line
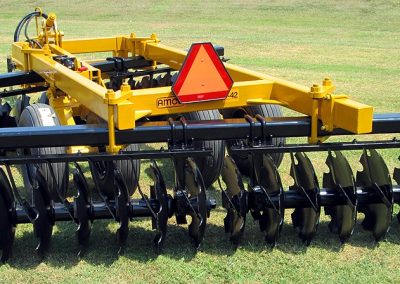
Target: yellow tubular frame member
72 91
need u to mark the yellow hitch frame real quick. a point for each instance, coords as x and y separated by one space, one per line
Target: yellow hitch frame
84 89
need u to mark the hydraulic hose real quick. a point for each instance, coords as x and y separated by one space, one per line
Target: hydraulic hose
25 20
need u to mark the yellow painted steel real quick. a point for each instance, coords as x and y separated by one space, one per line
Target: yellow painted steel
84 86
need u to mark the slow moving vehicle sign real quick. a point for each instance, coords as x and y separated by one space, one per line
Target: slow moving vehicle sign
203 76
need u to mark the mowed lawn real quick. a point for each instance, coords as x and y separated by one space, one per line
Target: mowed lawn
355 43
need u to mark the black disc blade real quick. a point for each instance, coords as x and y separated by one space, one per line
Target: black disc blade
81 209
340 178
158 192
375 176
234 200
145 83
396 175
43 223
198 199
7 227
164 80
305 181
270 219
122 209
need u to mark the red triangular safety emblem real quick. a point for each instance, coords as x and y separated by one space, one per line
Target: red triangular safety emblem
203 76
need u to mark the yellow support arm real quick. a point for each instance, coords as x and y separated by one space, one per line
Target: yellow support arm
336 111
249 88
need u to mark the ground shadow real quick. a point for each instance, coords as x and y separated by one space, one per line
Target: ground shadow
103 248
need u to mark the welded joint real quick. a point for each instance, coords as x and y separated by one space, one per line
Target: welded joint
319 94
327 120
115 98
26 48
141 43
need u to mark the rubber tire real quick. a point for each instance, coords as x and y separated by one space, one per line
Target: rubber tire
34 116
243 162
105 176
210 166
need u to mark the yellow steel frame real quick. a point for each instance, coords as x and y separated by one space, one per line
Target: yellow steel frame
73 91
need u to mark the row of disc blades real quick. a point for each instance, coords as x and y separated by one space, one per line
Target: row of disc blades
189 199
265 197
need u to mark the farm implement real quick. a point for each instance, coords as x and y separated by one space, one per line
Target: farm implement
78 148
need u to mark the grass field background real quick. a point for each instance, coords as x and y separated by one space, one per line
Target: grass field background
356 43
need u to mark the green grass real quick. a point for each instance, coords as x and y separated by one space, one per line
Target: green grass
356 43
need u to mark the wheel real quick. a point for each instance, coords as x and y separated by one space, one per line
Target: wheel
103 173
43 115
210 166
243 161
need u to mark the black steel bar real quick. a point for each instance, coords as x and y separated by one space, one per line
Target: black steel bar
129 63
295 199
138 209
148 154
122 75
342 146
292 199
19 78
148 132
17 92
386 123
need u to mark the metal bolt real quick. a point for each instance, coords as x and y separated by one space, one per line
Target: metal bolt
125 87
111 94
316 88
327 82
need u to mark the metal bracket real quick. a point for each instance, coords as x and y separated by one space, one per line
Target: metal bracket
319 93
179 144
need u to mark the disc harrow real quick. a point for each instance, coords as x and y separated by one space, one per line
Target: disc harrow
342 197
97 114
